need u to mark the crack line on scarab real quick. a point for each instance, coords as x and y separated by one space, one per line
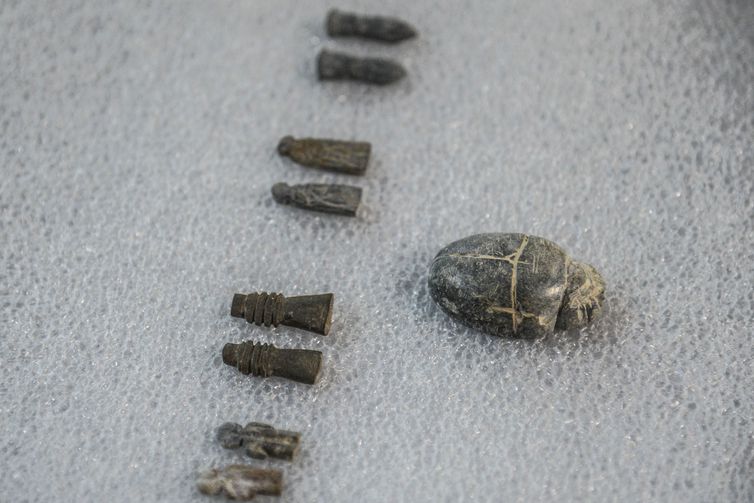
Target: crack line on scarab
514 277
541 320
508 258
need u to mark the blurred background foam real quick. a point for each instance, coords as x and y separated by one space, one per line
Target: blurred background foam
137 152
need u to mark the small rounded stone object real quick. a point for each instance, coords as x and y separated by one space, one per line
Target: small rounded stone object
514 285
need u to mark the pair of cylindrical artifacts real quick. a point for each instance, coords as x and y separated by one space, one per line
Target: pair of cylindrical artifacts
344 157
306 312
380 71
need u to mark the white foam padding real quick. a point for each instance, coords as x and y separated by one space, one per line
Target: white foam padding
137 152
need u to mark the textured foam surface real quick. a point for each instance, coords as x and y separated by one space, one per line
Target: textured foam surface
137 149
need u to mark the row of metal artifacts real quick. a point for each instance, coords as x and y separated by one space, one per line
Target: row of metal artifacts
262 441
307 312
504 284
259 440
344 157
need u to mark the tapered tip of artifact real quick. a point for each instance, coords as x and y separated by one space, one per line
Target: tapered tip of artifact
404 31
281 192
328 315
230 354
294 450
310 312
315 371
285 144
392 73
312 363
237 307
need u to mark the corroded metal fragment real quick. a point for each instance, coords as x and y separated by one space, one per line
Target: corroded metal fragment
307 312
260 440
339 66
327 198
349 157
515 285
240 482
265 360
387 29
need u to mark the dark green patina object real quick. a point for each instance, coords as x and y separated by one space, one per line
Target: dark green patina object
307 312
347 157
323 197
265 360
259 440
339 66
385 29
514 285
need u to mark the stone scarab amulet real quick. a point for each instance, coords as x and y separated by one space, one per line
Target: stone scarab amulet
514 285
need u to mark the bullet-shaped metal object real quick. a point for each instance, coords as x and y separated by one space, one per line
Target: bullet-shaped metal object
240 482
322 197
260 440
339 66
265 360
349 157
307 312
386 29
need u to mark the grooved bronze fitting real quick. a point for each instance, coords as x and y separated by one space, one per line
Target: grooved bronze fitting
265 360
307 312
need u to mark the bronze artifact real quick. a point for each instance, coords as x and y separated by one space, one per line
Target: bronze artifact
260 440
515 285
240 482
327 198
349 157
265 360
386 29
307 312
339 66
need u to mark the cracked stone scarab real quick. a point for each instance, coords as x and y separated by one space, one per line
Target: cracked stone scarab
514 285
